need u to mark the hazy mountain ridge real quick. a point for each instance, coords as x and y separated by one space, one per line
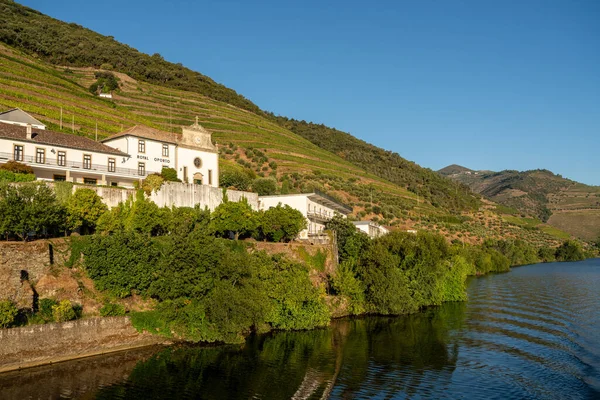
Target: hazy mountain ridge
543 194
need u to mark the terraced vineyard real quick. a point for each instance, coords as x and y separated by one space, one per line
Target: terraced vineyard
42 90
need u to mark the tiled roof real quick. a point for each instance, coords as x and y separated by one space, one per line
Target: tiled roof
147 133
41 136
20 116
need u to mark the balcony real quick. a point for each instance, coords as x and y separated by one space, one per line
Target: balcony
318 216
75 166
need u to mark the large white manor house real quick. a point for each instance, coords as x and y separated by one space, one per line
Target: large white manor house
118 160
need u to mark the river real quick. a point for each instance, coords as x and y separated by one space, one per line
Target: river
532 333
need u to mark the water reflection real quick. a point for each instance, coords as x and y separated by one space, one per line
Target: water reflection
531 334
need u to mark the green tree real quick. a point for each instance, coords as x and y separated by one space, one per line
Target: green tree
282 223
84 208
29 207
570 250
169 174
235 218
264 186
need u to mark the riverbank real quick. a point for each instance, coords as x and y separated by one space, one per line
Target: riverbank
37 345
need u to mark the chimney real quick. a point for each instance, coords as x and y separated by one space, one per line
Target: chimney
29 132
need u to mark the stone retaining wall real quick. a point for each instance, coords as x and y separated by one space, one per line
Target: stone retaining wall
42 344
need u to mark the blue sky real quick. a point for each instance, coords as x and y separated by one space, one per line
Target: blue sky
482 83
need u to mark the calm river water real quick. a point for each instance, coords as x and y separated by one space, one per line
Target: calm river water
533 333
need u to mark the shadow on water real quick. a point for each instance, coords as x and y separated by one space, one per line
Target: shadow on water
348 358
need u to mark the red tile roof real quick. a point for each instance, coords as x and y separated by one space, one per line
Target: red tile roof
41 136
147 133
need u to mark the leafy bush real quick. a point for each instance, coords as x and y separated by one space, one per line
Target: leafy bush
16 167
8 313
63 311
121 263
169 174
45 307
112 310
235 177
9 176
264 186
570 250
152 183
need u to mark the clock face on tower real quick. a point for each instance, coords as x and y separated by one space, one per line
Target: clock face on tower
197 139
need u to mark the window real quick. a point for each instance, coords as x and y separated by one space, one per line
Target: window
210 176
141 146
61 159
87 161
111 165
40 156
141 169
18 153
60 178
90 181
197 162
114 184
165 150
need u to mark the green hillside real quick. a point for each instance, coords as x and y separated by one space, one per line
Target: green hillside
71 45
298 156
563 203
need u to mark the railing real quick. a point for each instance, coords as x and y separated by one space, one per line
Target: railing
319 215
76 166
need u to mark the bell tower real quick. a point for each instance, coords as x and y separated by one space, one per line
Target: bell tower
196 137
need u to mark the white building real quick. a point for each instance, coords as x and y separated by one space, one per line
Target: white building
192 154
317 208
16 116
371 228
119 160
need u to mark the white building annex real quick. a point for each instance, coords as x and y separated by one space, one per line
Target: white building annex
373 229
317 208
119 160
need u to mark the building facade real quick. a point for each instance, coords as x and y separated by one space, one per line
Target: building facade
192 154
317 208
119 160
371 228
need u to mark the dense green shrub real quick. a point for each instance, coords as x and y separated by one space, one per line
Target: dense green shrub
9 176
235 177
8 313
169 174
570 250
63 311
121 263
281 223
84 208
45 309
264 186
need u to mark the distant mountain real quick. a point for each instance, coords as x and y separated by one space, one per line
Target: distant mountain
571 206
454 169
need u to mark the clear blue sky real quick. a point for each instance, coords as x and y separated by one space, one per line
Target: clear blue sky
482 83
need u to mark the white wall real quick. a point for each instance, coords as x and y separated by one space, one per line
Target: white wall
152 157
74 173
210 161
